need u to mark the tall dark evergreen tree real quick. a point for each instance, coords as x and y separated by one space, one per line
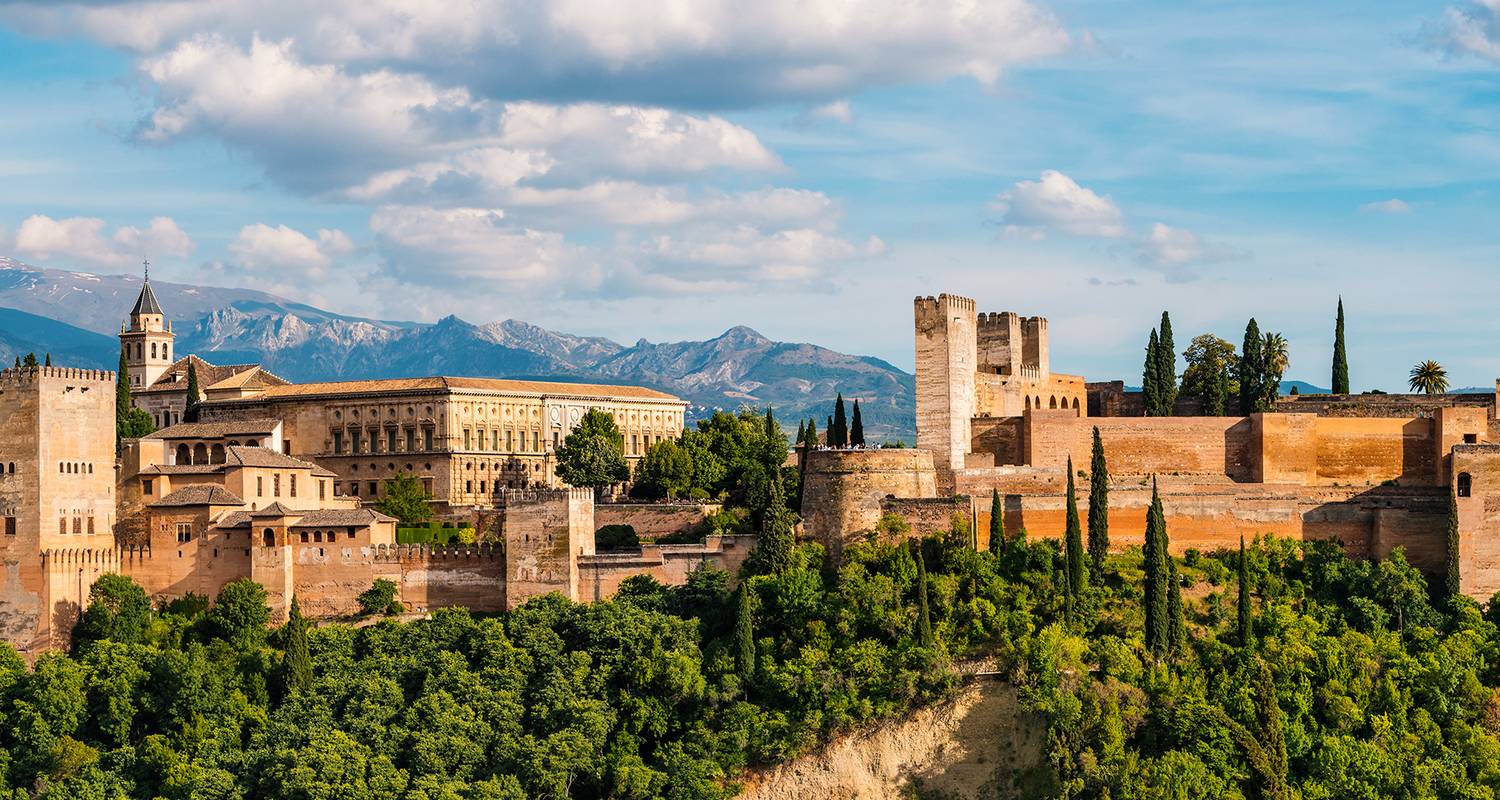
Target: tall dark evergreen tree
838 432
801 433
296 659
1158 619
48 361
924 619
1098 509
777 538
997 523
1244 623
744 634
1150 380
857 428
1340 358
828 431
190 410
812 432
1273 772
1251 370
1177 618
1073 540
1166 369
1452 578
30 361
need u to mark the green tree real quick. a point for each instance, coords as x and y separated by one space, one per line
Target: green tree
1244 627
997 523
194 395
130 422
665 471
1166 371
1098 509
405 499
1428 376
1340 358
1151 377
1158 618
30 361
1206 377
593 455
1452 583
1251 370
380 598
296 658
239 614
838 430
1274 362
857 428
118 610
48 361
777 537
744 634
1176 615
924 618
1272 774
1073 540
812 432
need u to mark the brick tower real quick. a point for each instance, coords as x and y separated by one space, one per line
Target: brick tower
947 354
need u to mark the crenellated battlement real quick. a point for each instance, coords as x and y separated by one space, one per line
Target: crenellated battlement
28 375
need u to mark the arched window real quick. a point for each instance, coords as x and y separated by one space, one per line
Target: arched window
1052 402
216 456
183 455
1028 403
200 453
1465 484
1075 404
269 537
153 349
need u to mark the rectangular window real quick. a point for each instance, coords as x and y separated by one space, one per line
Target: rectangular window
469 487
481 487
468 439
322 490
635 444
555 436
293 485
276 485
427 485
536 442
427 439
184 532
260 486
78 526
62 526
1471 438
411 439
375 441
338 442
354 442
390 440
354 489
374 488
507 441
146 486
10 526
91 526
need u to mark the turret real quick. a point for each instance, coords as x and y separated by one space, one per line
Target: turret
146 338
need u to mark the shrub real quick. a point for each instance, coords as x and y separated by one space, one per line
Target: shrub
616 537
380 598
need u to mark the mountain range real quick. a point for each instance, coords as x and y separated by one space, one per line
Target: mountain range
75 316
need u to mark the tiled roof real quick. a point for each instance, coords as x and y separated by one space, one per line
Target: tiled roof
273 510
241 456
217 429
175 378
255 376
316 518
182 469
146 303
199 495
442 383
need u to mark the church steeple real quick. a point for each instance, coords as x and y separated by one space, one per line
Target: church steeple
146 338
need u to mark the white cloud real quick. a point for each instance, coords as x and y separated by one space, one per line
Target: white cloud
1174 251
1056 203
836 111
709 53
1391 206
1473 29
473 248
81 239
261 246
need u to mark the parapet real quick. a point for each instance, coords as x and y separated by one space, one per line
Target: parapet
948 300
24 375
517 497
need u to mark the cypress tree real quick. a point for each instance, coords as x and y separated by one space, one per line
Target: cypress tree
48 362
857 428
744 634
1150 383
1272 736
296 659
1452 583
924 620
828 431
1245 631
190 410
838 432
997 523
1073 541
1158 620
1251 369
1098 509
1177 630
1340 359
777 539
812 432
1166 369
30 361
801 433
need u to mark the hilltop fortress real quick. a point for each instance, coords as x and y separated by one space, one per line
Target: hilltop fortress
1372 472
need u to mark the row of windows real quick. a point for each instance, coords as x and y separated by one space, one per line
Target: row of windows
8 469
140 350
78 525
411 411
483 486
374 487
73 468
201 453
360 443
488 439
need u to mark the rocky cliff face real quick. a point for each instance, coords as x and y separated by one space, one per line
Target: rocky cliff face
978 746
303 343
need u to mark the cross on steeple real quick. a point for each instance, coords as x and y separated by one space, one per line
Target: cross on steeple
146 263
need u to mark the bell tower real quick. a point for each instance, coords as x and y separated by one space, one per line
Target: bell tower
146 337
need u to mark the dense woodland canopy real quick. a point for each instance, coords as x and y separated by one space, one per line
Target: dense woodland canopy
1354 684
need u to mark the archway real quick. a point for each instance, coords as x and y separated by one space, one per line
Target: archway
1052 402
216 456
269 537
200 453
184 456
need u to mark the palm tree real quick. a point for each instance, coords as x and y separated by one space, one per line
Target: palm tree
1430 377
1275 359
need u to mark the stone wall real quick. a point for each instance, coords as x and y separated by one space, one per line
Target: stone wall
946 363
600 576
652 520
1142 446
928 515
545 532
1313 450
842 489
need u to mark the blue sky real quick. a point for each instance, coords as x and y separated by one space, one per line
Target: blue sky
802 168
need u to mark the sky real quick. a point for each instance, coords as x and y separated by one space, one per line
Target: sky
665 170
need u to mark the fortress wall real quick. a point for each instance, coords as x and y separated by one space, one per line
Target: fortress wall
651 520
1143 446
842 489
327 579
600 576
1001 439
928 515
1479 520
1314 450
202 566
545 532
